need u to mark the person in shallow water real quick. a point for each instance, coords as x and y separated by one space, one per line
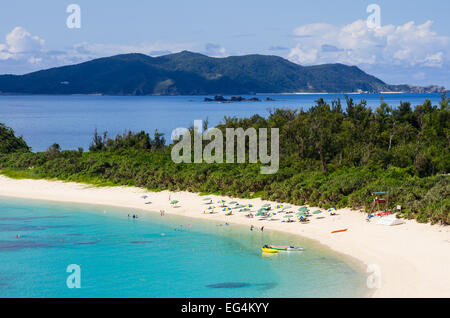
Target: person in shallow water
262 228
251 227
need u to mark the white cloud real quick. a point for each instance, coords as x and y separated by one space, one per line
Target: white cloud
214 50
23 52
20 41
92 50
357 44
305 55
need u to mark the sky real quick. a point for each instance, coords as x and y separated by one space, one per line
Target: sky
410 44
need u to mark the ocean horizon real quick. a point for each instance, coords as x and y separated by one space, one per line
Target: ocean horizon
70 120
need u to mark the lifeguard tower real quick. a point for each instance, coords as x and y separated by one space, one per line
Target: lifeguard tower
380 203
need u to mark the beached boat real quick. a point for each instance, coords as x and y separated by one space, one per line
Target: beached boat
269 250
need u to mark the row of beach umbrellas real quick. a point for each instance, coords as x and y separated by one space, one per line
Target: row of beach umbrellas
302 212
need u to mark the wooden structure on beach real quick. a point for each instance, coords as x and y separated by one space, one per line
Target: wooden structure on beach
380 202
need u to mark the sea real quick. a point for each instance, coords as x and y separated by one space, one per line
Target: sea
70 121
50 249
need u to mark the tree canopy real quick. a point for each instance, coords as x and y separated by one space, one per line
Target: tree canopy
330 155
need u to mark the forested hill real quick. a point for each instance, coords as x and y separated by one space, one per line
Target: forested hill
188 73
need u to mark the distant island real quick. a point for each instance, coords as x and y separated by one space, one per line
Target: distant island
232 99
188 73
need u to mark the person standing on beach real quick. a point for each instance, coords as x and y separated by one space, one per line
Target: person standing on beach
262 228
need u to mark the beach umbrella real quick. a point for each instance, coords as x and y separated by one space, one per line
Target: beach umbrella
303 209
262 210
249 205
331 209
288 216
271 214
279 206
206 199
221 201
174 202
211 207
226 209
317 212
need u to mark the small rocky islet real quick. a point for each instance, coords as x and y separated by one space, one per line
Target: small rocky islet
232 99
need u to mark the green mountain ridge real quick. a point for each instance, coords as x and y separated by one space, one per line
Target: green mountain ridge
188 73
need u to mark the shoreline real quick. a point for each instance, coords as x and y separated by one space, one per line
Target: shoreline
412 258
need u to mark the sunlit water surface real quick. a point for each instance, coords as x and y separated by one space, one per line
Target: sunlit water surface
157 256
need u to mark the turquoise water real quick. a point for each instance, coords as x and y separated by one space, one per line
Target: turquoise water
71 120
156 256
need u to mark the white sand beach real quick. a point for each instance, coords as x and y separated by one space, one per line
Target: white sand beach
413 259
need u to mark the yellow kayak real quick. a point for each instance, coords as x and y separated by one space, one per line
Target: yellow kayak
269 250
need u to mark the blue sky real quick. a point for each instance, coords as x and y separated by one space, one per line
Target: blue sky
411 46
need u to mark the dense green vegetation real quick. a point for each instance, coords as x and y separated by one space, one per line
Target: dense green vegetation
188 73
9 142
328 157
